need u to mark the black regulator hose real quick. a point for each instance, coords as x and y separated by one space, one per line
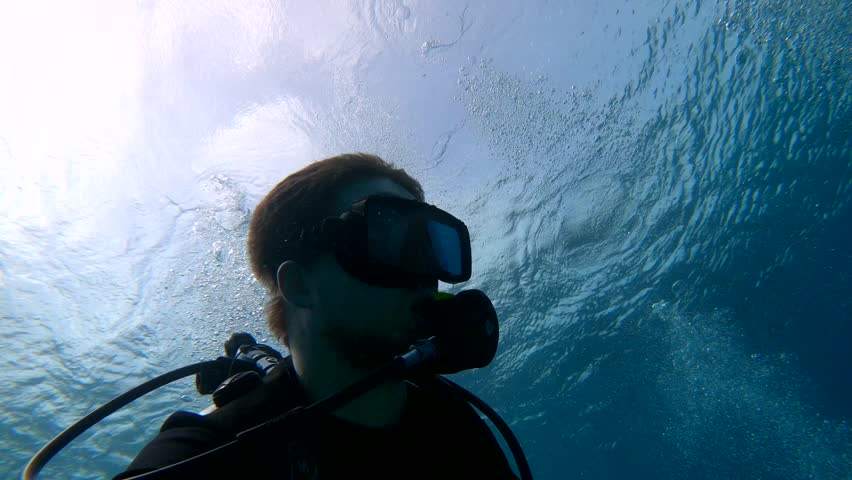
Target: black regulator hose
63 439
502 426
465 339
419 353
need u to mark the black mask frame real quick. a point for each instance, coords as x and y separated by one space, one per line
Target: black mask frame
395 242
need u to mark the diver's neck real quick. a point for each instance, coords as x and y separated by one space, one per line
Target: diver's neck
326 375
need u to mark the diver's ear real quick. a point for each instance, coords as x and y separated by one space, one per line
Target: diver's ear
293 284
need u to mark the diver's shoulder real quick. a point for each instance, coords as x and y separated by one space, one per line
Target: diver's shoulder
184 419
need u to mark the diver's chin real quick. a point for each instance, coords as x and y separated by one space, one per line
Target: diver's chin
369 360
366 352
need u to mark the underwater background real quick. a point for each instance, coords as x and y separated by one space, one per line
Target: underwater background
658 195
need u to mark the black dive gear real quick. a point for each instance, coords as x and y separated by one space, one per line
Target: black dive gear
247 359
465 329
243 355
389 241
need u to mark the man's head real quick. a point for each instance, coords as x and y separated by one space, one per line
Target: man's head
311 296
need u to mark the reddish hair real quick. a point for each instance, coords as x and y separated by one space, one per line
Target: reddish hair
299 201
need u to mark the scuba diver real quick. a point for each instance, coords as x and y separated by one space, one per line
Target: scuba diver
351 256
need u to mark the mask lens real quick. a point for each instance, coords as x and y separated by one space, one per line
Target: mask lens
414 241
446 246
386 234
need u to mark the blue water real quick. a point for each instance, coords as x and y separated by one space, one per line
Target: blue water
658 197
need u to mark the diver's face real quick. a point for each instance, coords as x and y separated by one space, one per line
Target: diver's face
366 324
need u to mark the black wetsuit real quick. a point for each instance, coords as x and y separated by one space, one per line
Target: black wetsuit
438 437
